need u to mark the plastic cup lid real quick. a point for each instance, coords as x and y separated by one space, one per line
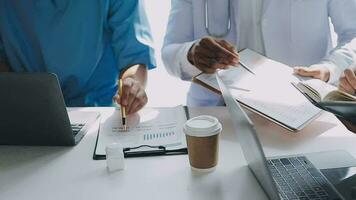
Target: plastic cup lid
202 126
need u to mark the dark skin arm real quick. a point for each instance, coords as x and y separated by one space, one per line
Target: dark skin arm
134 96
209 54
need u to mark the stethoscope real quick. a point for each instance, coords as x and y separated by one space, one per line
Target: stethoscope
228 29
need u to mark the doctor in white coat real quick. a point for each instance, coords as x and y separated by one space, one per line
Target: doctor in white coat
294 32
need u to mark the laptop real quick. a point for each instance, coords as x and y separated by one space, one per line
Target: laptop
291 177
33 112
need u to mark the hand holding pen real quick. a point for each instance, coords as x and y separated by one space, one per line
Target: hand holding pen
210 54
131 95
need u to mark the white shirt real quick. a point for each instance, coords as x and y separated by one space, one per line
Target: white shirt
294 32
250 14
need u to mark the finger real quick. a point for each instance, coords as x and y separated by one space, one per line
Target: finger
126 87
219 50
345 85
346 90
234 62
351 78
303 71
139 102
116 99
132 95
342 88
205 60
228 46
205 52
220 57
220 66
205 68
227 59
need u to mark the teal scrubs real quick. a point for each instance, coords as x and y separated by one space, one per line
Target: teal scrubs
87 43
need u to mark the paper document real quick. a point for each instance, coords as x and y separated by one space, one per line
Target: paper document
269 92
151 126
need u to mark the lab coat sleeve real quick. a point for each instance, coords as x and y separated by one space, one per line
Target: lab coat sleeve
178 40
131 38
2 52
343 15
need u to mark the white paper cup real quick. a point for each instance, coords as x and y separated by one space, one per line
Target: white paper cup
202 135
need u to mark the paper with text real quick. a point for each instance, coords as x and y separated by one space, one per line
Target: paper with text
151 126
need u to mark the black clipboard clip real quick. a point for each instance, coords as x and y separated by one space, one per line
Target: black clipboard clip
156 151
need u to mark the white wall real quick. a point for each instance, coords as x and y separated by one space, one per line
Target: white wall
162 89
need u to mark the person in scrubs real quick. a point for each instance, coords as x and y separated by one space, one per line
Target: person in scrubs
88 45
205 35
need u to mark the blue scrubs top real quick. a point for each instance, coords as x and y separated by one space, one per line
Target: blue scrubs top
87 43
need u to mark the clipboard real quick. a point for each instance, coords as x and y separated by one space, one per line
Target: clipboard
147 150
260 64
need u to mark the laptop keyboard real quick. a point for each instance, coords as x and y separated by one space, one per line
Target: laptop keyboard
297 178
76 128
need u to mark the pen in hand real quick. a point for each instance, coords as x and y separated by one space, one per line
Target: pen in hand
247 68
122 108
243 65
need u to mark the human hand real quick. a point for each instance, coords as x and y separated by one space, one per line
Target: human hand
133 96
317 71
347 81
209 54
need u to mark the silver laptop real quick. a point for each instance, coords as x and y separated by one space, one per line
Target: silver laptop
33 112
291 177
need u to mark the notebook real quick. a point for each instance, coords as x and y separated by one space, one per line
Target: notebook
151 132
329 98
269 92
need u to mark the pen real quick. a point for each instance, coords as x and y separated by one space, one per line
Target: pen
247 68
122 108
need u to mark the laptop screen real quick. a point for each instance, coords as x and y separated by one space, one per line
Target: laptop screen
249 142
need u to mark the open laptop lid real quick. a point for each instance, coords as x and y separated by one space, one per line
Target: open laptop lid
33 110
250 144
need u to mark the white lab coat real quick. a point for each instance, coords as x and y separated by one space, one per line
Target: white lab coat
295 32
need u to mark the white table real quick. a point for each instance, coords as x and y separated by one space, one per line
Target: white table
52 173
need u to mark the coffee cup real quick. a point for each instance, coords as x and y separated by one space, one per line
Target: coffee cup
202 135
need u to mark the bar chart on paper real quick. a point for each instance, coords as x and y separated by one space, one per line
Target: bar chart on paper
159 136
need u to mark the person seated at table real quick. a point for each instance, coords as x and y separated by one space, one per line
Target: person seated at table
205 35
88 45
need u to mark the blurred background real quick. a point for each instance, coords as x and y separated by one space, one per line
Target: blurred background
162 89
